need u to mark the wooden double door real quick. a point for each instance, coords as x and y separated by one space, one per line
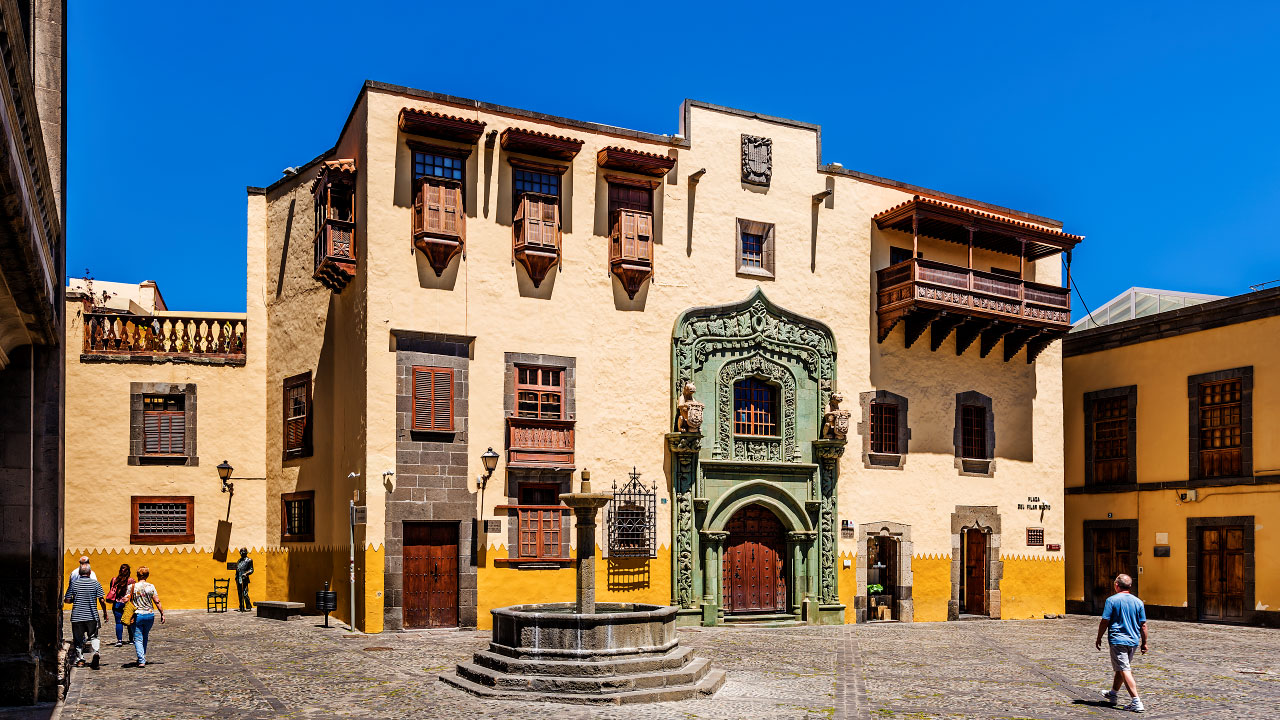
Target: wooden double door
754 561
1222 574
1112 555
430 588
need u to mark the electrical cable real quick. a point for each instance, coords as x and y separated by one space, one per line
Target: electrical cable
1072 282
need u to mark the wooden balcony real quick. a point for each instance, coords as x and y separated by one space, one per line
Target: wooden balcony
535 228
152 338
335 264
439 221
926 295
539 443
631 249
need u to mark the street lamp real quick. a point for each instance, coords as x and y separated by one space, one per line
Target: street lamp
224 474
490 460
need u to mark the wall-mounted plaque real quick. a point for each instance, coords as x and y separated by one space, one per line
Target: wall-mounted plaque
1162 551
757 160
1053 547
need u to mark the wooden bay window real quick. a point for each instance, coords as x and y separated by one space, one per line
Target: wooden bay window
631 232
439 214
333 196
535 220
539 434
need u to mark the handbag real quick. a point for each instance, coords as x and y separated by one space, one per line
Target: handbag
126 617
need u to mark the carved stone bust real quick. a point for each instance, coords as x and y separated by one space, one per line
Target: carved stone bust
688 411
757 160
835 423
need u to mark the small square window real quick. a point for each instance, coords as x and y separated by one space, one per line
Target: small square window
297 516
1035 537
162 520
755 256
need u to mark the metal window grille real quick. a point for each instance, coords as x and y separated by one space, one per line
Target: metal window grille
1111 439
974 431
1035 537
632 523
162 518
884 428
755 411
299 516
1220 428
432 165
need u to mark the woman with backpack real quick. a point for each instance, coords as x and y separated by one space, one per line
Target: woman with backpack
146 601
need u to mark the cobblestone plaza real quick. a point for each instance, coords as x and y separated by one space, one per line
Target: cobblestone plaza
239 666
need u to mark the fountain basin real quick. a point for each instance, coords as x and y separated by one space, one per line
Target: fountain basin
556 631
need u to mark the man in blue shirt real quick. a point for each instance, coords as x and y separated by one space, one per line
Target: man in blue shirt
1124 622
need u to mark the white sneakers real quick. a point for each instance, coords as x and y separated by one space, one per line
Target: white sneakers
1135 705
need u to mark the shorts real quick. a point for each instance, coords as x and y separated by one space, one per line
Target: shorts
1122 656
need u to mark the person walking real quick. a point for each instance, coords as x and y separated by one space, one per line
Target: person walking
84 563
1124 622
116 594
83 592
146 601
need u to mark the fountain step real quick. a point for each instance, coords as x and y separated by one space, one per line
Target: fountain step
671 660
709 683
689 674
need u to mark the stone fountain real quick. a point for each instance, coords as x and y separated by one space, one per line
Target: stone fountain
586 652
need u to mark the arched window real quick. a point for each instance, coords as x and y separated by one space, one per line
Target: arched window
755 407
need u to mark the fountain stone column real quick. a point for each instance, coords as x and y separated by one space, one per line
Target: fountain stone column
586 505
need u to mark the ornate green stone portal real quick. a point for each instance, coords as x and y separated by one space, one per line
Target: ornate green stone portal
729 556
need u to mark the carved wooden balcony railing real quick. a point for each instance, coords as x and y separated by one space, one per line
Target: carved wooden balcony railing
631 249
927 295
535 228
335 253
160 337
539 442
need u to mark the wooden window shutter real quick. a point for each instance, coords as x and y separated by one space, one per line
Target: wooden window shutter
433 399
741 229
767 255
164 432
437 208
297 415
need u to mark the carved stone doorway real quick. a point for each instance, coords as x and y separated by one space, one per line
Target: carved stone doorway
971 525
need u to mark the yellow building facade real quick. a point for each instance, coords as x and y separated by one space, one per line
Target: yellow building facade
1172 460
819 396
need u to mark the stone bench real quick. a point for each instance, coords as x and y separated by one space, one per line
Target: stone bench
280 609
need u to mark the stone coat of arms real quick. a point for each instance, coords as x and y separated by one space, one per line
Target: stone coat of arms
757 159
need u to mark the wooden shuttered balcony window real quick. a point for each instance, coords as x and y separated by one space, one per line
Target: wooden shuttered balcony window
333 197
297 416
631 249
535 240
439 221
164 427
432 399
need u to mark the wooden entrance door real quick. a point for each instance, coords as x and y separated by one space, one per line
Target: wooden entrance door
975 572
1222 573
1111 557
753 561
430 575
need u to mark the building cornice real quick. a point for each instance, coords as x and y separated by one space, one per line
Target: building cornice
1205 316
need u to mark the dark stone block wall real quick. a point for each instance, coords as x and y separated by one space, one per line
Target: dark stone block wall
431 482
30 536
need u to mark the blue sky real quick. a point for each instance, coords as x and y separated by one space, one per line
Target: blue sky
1151 130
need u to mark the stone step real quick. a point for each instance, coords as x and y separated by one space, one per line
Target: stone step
757 618
689 674
708 685
671 660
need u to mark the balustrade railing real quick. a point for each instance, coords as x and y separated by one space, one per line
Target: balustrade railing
168 336
937 282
